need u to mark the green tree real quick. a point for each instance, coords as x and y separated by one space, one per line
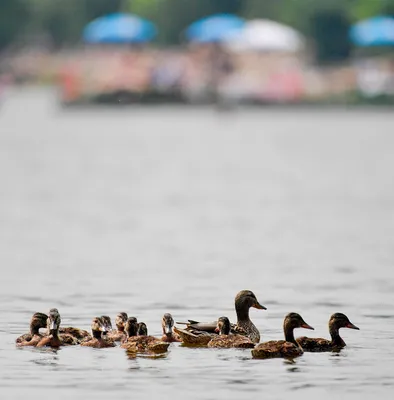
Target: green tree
14 16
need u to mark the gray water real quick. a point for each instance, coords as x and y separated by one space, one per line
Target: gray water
175 210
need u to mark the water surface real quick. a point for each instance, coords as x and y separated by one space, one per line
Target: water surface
175 210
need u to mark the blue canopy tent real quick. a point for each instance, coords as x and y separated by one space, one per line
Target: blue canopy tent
214 28
119 28
376 31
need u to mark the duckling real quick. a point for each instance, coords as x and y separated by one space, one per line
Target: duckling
167 324
225 340
337 321
144 343
244 300
287 348
38 320
53 323
119 334
98 328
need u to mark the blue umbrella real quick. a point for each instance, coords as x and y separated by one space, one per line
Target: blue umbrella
119 28
214 28
376 31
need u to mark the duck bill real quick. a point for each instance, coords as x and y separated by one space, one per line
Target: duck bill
306 326
52 325
259 306
168 330
352 326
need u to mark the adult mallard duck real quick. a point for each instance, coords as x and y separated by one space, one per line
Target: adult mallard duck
143 343
38 320
167 324
53 324
244 300
225 340
287 348
120 322
98 341
337 321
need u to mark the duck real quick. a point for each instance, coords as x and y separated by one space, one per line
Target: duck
167 324
336 321
225 340
119 334
98 341
52 338
142 343
244 300
287 348
37 321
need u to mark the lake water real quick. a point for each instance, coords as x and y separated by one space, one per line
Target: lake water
153 210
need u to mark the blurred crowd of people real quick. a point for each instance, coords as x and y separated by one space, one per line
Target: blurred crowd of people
198 73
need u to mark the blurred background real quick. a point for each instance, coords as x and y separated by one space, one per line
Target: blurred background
201 51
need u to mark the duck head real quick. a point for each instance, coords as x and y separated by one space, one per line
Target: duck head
339 320
243 301
53 321
38 320
291 322
131 327
120 321
142 329
223 326
107 322
167 323
98 327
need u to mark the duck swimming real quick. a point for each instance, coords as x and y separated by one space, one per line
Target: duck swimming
287 348
337 321
167 324
225 340
244 300
98 341
53 323
120 322
142 343
38 320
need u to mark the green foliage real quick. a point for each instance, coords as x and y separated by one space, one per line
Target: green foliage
330 30
64 20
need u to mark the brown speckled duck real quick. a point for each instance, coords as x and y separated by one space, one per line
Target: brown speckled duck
98 341
337 321
287 348
167 324
53 324
225 340
120 322
142 343
244 300
38 320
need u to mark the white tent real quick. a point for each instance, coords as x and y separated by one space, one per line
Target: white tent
265 35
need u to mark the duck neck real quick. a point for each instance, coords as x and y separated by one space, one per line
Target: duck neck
242 311
289 334
54 333
120 329
96 334
335 338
